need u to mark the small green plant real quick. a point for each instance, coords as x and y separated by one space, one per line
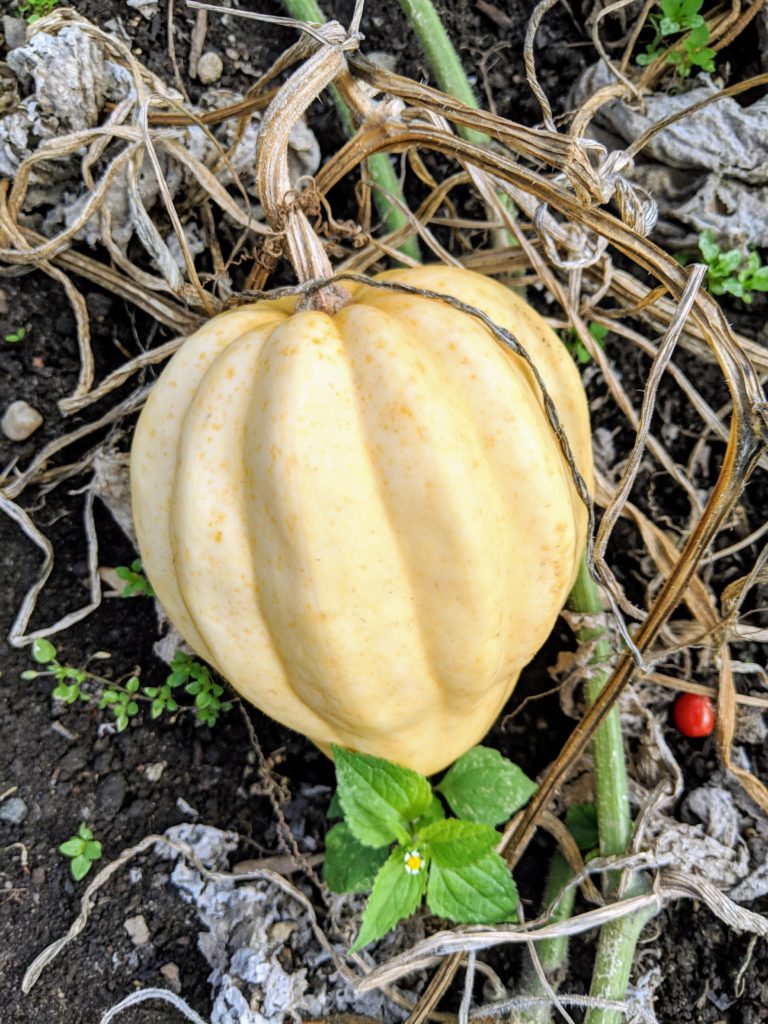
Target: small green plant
733 272
676 17
575 346
197 680
14 337
135 581
450 860
33 10
123 699
83 850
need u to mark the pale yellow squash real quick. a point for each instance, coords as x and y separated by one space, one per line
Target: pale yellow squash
364 521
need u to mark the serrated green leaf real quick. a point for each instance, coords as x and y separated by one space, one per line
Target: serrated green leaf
379 797
485 786
349 866
335 809
80 866
43 651
92 849
455 844
581 821
132 686
435 812
72 847
395 895
759 280
480 893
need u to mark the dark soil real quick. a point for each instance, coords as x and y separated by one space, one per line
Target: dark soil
67 767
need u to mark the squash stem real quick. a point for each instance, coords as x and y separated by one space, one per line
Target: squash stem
611 788
452 79
443 59
379 166
552 953
618 939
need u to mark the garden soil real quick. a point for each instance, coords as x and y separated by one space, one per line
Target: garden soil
66 766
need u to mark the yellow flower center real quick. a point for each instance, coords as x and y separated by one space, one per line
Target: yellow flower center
413 862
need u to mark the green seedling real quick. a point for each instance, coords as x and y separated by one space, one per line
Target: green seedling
14 337
576 347
136 583
396 841
83 850
33 10
733 272
677 17
197 680
122 700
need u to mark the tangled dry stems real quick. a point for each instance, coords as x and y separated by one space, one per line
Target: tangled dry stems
560 184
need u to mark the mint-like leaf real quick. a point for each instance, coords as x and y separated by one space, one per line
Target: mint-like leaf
455 844
378 797
334 808
396 894
581 821
434 812
349 866
479 893
484 786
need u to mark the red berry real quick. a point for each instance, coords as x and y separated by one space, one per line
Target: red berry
694 715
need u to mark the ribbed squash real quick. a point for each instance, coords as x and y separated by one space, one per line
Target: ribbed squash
364 521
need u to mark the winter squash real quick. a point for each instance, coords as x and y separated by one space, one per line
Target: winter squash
364 521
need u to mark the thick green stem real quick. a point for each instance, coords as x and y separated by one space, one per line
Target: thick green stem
451 77
379 166
551 953
618 939
611 790
443 59
613 964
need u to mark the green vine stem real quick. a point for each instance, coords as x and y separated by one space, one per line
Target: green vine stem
618 939
443 59
380 168
452 78
611 789
552 953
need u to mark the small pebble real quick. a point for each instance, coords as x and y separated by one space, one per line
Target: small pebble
154 772
210 68
15 31
13 811
281 931
171 974
186 809
137 929
20 421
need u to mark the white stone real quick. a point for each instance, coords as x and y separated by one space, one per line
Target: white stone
20 421
210 68
137 929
